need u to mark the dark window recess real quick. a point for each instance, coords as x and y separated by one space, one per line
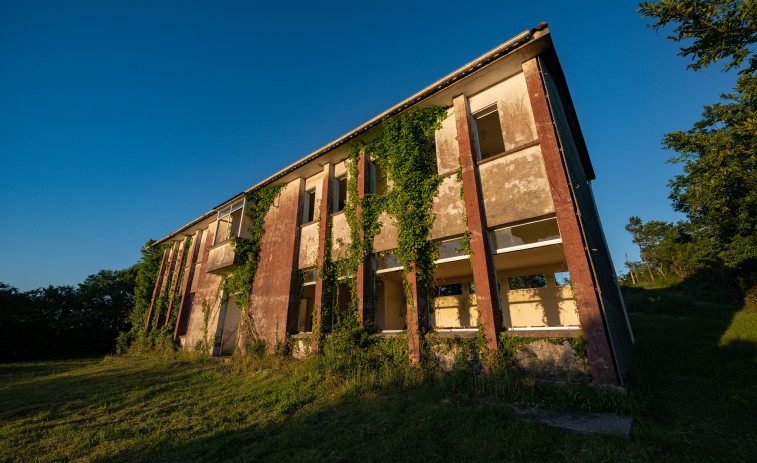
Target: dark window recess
449 290
377 185
309 207
471 287
340 193
489 133
562 279
527 282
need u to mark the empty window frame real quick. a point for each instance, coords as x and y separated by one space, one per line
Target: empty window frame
309 209
229 222
340 193
455 289
527 235
488 132
376 184
527 282
562 278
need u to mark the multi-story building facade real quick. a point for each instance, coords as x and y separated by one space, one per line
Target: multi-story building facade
539 264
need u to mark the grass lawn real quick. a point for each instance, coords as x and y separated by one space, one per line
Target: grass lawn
693 395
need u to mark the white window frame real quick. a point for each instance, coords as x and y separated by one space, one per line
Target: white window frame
521 247
226 212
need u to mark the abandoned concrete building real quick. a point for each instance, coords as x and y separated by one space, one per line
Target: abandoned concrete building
539 264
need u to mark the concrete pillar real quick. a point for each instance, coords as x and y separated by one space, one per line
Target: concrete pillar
586 296
275 298
184 307
364 283
482 261
415 304
323 233
158 286
175 283
161 317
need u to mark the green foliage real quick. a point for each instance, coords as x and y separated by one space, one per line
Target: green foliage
718 189
65 320
404 152
147 274
716 29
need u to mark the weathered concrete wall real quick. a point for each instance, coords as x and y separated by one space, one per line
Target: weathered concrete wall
447 152
387 238
220 256
515 187
275 292
308 245
340 234
449 210
454 312
514 106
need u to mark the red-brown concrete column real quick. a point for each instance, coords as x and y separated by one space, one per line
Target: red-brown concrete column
175 283
323 233
275 296
184 309
413 310
587 299
364 275
484 272
158 286
160 317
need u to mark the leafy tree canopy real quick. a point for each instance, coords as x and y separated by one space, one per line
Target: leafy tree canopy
718 189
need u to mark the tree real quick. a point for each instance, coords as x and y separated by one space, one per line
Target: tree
718 189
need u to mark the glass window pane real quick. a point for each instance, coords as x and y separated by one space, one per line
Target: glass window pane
471 287
449 249
527 282
387 261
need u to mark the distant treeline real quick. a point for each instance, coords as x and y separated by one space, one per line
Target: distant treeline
62 321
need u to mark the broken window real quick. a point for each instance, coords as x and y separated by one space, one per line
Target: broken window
340 193
309 214
229 222
387 261
451 248
532 233
527 282
488 132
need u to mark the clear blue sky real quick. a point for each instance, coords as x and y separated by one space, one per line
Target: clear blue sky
121 121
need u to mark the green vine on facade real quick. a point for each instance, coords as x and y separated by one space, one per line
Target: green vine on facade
328 273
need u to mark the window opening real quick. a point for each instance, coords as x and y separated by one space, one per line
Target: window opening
562 279
309 214
340 195
527 281
455 289
489 132
229 222
526 235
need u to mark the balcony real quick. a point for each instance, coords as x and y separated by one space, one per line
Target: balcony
222 259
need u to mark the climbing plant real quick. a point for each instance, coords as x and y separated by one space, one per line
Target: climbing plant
176 302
